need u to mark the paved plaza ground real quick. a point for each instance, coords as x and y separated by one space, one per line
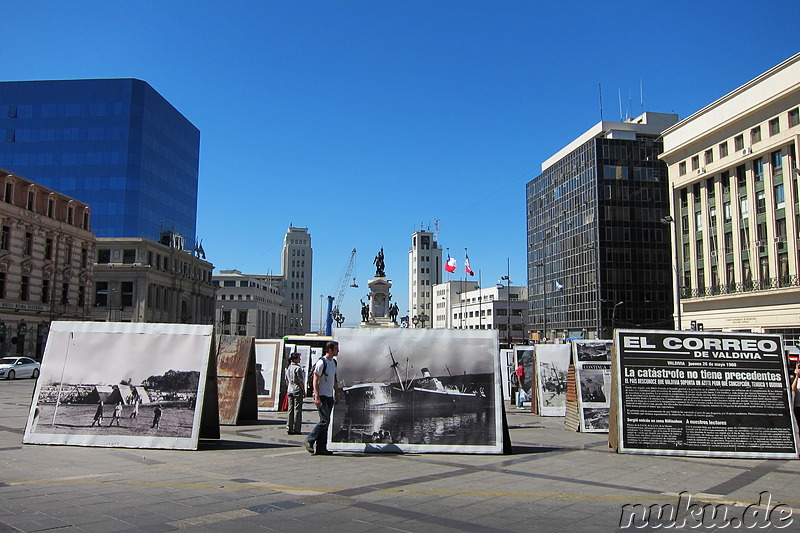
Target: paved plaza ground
258 478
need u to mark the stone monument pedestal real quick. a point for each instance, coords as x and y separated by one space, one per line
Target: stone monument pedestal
379 304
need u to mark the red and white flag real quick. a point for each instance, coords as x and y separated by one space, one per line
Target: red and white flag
466 266
450 265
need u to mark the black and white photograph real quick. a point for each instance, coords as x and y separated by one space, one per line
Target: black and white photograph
552 366
121 384
524 355
592 361
268 373
418 390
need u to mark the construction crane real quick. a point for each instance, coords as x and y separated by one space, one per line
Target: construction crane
334 303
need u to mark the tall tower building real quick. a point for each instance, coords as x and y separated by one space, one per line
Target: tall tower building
598 251
114 144
424 271
296 263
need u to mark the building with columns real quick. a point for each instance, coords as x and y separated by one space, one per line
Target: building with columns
46 251
735 208
138 280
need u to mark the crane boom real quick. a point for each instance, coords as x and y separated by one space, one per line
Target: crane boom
334 303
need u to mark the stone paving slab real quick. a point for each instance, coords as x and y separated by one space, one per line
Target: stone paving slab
258 478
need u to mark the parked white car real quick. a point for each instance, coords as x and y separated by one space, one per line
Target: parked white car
18 367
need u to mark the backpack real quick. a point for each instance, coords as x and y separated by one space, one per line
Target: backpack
325 365
514 379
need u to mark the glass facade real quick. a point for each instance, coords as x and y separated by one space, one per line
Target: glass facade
599 255
114 144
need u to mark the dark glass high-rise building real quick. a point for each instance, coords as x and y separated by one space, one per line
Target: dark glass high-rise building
114 144
599 254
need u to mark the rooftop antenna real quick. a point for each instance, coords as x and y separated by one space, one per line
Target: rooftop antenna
600 89
630 105
436 229
641 95
619 91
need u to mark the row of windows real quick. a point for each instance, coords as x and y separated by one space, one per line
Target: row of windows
128 256
46 292
95 109
48 208
773 128
60 134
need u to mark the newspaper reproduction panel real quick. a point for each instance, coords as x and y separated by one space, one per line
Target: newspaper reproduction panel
418 390
703 394
592 360
134 385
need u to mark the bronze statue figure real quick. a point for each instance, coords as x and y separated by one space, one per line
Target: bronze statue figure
380 266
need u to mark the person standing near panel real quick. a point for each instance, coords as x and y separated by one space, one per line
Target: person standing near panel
326 395
295 383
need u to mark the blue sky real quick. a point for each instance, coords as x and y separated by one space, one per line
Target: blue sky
367 120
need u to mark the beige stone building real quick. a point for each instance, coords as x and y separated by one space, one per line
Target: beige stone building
138 280
250 305
735 208
46 250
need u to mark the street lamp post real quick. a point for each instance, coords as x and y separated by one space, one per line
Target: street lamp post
673 229
614 317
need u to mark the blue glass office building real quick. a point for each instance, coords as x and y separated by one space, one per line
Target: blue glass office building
114 144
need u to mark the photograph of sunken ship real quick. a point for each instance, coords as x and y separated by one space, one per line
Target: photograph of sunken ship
161 405
408 405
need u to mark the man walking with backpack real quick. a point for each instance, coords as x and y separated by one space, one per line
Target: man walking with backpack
295 389
326 394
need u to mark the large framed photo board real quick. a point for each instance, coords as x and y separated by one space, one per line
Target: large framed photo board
696 393
418 390
134 385
551 365
269 373
592 361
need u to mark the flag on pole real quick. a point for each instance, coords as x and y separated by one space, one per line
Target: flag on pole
450 265
466 265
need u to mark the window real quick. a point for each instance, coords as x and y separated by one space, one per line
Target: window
64 293
48 248
51 207
774 126
723 150
126 295
738 143
744 208
45 291
741 176
726 212
794 117
695 162
2 284
81 295
712 215
31 201
758 169
780 199
761 204
755 135
8 196
711 188
776 162
708 157
129 256
698 221
5 238
103 256
101 293
682 168
28 248
25 288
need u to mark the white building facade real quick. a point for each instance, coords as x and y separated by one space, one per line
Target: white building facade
464 305
424 271
735 208
249 305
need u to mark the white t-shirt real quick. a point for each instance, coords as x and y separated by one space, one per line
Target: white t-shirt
326 381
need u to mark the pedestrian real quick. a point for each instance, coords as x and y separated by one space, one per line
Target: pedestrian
115 416
135 411
520 372
326 394
295 379
156 417
98 415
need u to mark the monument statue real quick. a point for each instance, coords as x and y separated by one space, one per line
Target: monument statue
393 311
380 266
